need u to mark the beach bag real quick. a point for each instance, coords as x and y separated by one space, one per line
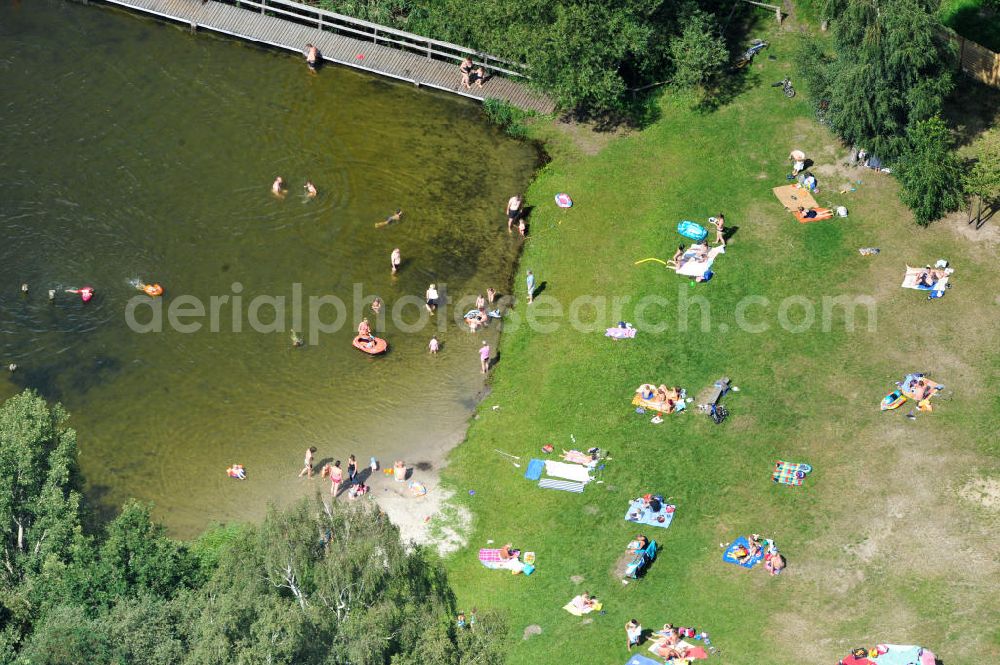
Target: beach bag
718 414
841 211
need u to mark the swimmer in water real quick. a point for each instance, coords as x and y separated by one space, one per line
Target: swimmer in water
52 294
312 56
396 259
310 189
24 288
278 187
377 305
394 217
297 341
85 293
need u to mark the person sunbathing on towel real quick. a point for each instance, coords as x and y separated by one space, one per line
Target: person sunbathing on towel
639 544
508 552
678 257
584 602
699 252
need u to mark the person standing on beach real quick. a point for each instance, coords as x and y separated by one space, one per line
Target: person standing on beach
352 469
336 478
531 286
491 295
513 211
396 259
484 357
307 468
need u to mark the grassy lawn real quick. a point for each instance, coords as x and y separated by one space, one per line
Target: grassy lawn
970 19
894 536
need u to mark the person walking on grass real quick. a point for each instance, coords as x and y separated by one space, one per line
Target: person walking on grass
484 357
531 286
307 468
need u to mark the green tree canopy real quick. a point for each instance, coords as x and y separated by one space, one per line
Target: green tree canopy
698 53
39 499
890 71
929 172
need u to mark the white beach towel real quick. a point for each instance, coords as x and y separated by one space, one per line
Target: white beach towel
576 472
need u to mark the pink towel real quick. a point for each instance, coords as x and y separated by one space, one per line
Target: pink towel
490 556
620 333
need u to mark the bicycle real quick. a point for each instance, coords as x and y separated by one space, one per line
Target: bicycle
786 87
756 46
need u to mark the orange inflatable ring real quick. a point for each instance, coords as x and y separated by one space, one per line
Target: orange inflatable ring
152 290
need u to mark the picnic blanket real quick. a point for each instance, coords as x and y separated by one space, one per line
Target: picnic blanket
490 557
742 541
899 655
692 268
577 611
911 281
641 515
567 471
693 652
913 382
790 473
620 333
793 196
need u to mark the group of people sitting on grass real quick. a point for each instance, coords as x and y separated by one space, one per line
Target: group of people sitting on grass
668 639
698 252
668 397
774 562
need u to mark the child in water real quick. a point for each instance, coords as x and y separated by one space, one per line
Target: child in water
278 187
434 345
310 189
85 293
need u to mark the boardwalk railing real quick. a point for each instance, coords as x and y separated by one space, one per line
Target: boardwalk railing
322 19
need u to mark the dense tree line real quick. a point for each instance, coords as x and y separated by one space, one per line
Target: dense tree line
587 54
311 584
885 82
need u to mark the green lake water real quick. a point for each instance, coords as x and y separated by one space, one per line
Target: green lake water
132 149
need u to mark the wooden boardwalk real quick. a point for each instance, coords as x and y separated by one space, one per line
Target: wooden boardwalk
251 23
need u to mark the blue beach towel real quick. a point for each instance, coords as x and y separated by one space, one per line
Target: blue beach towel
534 470
729 558
641 660
636 513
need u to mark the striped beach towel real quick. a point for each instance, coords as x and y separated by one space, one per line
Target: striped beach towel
564 485
790 473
